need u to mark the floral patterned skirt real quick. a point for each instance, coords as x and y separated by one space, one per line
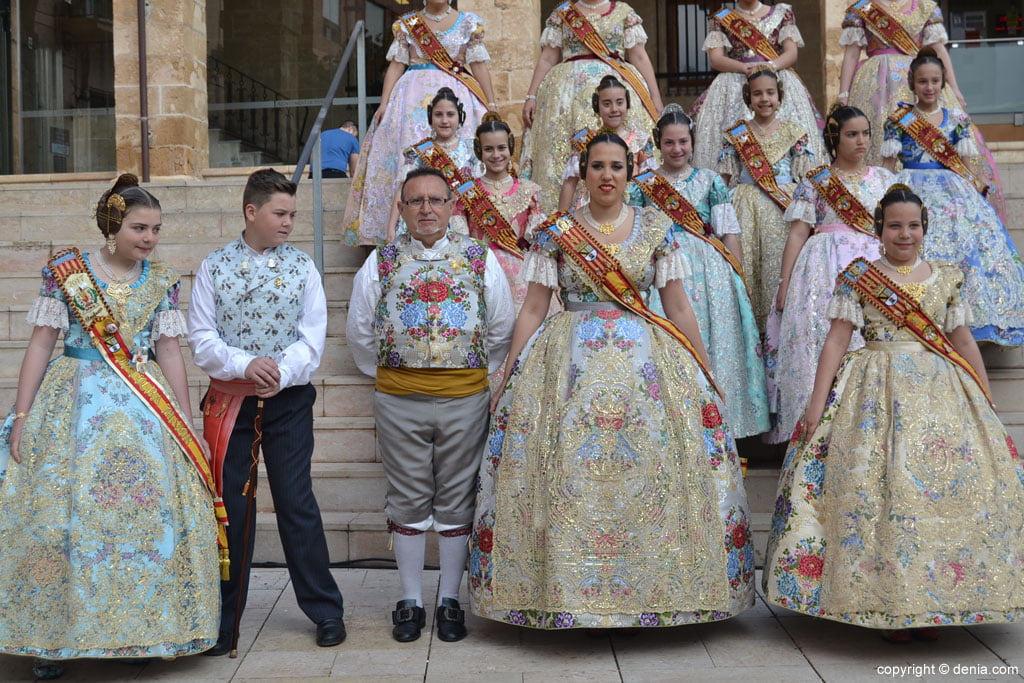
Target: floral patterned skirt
893 514
610 491
108 534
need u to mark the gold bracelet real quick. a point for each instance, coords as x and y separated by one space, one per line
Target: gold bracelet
20 416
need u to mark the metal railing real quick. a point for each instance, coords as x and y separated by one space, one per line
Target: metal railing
311 150
991 99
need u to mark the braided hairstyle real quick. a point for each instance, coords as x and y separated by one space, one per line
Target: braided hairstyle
606 136
758 73
837 117
445 93
899 194
673 114
492 123
925 55
609 81
116 202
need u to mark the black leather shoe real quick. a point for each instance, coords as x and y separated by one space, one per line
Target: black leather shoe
451 621
222 647
409 620
330 632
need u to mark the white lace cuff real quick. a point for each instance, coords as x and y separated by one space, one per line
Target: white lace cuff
891 148
48 312
936 33
729 164
572 168
398 52
853 35
801 210
551 37
791 31
957 315
169 324
845 307
715 39
724 220
633 36
477 53
672 266
965 146
540 269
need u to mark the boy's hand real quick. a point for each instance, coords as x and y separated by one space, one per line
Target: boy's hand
264 373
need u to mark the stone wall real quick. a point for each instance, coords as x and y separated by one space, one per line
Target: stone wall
176 63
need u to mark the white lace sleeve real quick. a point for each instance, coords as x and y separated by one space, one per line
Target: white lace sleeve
540 269
724 220
634 35
801 210
715 39
853 35
891 148
965 146
845 307
934 33
572 168
672 266
48 312
956 315
477 53
790 31
459 224
551 37
169 324
399 50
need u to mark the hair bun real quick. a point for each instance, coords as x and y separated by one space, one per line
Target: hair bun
836 106
672 108
123 181
927 51
898 187
491 116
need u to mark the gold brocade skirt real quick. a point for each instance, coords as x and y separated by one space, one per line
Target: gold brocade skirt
763 241
904 507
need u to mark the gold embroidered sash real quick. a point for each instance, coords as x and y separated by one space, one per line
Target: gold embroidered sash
439 56
757 164
746 33
588 35
582 138
935 142
436 158
904 312
683 213
606 272
90 307
483 213
843 202
885 26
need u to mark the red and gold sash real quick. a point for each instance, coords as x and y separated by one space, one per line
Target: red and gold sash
483 213
746 33
582 138
843 202
935 142
757 164
904 312
439 56
90 307
606 272
588 35
885 26
435 157
682 213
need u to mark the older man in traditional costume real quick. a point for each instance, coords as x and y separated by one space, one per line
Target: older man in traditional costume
431 314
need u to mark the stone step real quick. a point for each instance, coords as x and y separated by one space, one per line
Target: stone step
339 487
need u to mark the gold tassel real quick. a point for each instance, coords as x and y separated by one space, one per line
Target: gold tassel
391 541
225 565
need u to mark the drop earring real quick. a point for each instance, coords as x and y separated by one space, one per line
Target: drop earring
111 243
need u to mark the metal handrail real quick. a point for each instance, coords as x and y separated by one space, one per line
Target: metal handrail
312 146
953 44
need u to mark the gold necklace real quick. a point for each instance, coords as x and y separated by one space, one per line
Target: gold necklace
605 228
764 130
853 177
118 288
496 183
436 17
902 270
915 290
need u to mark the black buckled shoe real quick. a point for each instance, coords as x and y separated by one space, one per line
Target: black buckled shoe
330 632
409 621
451 621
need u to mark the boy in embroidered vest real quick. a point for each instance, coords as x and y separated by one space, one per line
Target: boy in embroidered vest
431 313
257 326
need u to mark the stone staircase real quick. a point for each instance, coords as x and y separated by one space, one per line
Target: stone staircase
227 151
37 219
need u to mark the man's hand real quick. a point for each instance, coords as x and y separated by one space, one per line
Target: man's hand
266 375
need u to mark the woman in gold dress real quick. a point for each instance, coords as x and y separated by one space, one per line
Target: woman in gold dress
902 508
610 492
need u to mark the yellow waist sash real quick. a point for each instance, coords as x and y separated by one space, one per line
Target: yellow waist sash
450 382
896 346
